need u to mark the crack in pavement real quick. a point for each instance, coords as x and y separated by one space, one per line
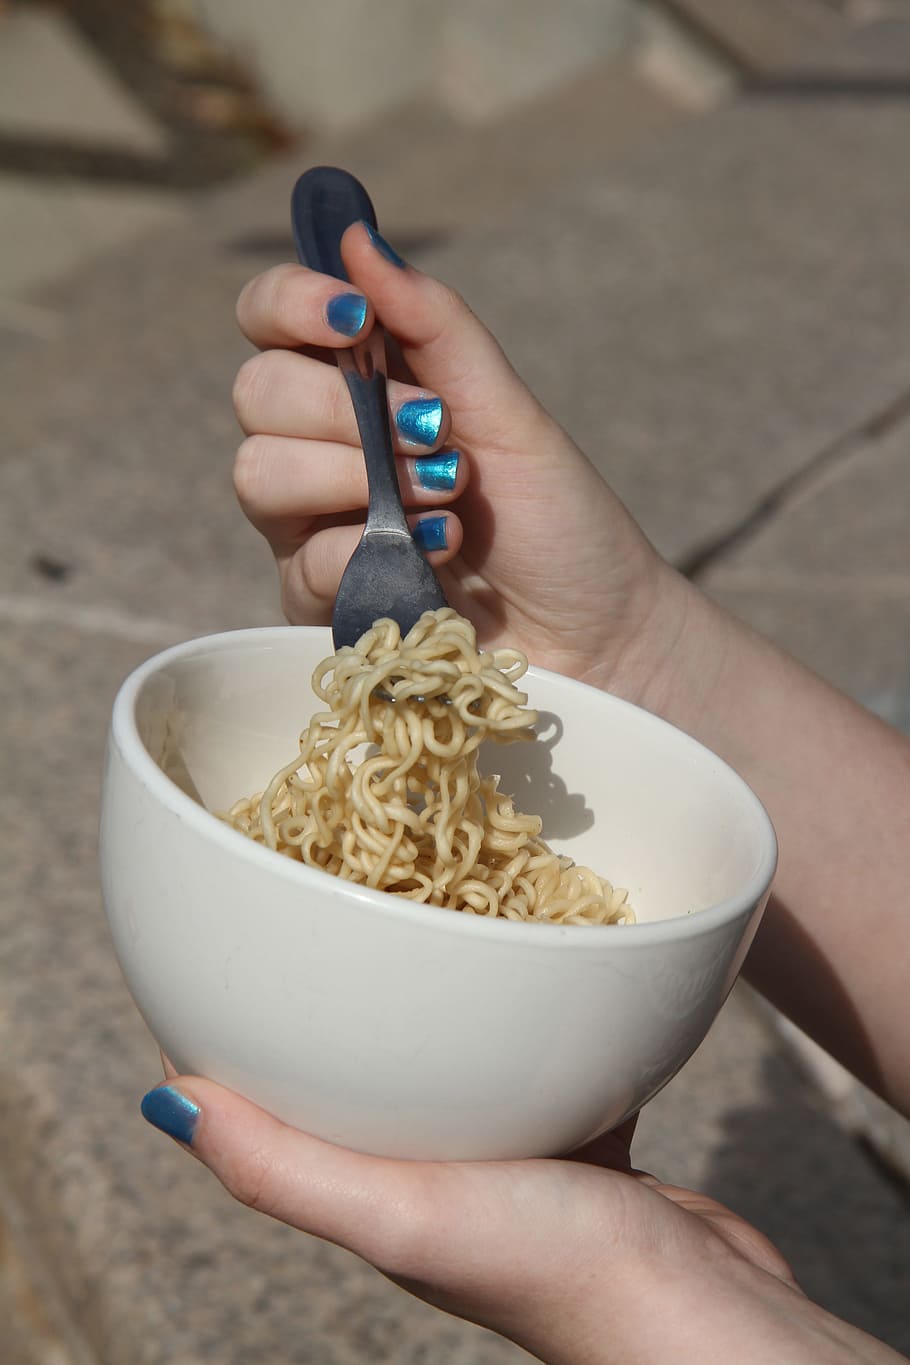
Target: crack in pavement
803 483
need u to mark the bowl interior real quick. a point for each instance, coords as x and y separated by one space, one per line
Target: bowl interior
616 788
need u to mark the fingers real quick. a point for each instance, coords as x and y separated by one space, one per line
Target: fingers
312 566
336 314
446 347
284 394
504 1243
281 483
300 1180
308 499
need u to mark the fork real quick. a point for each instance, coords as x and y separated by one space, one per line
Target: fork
387 575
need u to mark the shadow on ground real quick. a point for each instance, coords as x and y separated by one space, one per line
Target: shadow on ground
787 1169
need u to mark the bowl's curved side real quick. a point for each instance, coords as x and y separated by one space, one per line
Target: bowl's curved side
394 1033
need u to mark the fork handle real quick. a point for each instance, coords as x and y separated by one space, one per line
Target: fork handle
371 408
325 201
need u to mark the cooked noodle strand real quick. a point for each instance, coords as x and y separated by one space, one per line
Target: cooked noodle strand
415 817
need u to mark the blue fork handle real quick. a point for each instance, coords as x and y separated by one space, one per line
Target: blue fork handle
324 203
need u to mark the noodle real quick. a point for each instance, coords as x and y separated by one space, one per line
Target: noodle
413 816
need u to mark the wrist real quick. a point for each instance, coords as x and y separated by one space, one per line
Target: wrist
742 1314
674 661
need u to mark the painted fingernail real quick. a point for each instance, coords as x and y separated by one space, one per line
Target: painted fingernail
173 1113
430 534
438 472
383 247
346 313
419 420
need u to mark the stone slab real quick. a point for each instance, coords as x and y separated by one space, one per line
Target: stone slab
464 56
869 60
53 226
15 340
743 1123
28 1337
445 176
52 84
828 576
480 174
762 35
716 310
122 476
859 1110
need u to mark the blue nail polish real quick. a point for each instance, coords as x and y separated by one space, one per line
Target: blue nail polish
419 420
430 534
438 472
383 247
346 313
173 1113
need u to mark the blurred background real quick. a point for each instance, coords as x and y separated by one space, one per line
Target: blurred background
686 221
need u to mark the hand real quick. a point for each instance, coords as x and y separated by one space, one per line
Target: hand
582 1261
539 552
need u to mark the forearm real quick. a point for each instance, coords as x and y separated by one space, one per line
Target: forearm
833 951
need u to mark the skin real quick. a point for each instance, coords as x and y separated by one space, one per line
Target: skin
583 1260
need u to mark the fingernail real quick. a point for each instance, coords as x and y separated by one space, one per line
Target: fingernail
346 313
383 247
430 534
173 1113
437 472
419 420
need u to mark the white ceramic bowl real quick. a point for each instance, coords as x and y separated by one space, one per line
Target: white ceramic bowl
398 1028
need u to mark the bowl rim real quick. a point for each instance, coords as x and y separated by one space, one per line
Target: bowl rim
124 734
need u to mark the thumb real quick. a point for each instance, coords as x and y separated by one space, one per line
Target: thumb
506 1244
373 1206
447 347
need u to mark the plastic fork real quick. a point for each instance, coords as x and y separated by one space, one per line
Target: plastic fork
387 575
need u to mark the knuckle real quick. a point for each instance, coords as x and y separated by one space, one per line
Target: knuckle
450 299
290 601
250 470
282 304
259 294
316 568
337 412
448 310
251 1180
450 304
245 301
300 604
251 384
404 1240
